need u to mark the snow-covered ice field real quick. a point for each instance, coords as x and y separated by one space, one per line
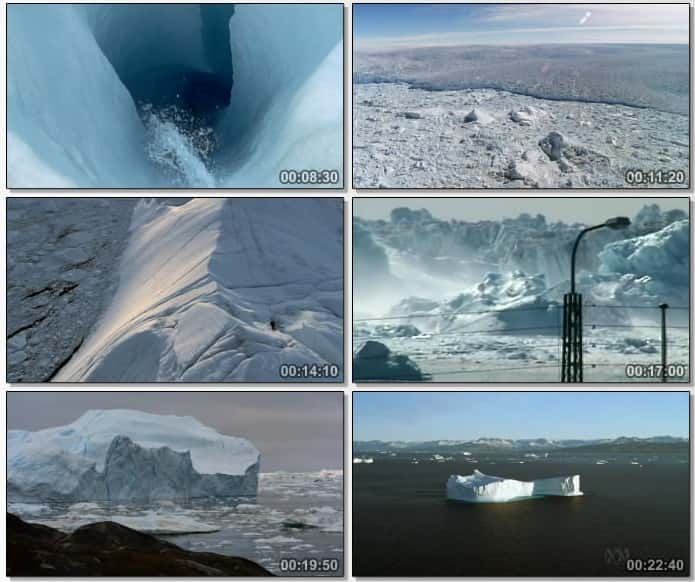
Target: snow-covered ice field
113 290
406 137
544 116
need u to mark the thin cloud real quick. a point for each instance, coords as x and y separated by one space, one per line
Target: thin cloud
505 36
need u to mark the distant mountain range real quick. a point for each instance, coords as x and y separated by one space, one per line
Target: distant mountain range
499 445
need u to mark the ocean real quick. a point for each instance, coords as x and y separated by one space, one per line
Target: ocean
403 524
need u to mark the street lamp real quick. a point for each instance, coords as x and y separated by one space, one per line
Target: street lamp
572 348
616 223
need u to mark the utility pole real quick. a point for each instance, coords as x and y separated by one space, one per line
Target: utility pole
664 346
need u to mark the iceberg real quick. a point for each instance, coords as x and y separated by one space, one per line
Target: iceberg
481 488
128 455
362 460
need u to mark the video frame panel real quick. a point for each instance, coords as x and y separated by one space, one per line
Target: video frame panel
554 96
175 483
481 290
164 96
107 290
506 484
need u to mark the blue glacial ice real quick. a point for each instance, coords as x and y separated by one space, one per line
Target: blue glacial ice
79 76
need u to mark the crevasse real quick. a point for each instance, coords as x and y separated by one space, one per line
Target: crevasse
267 80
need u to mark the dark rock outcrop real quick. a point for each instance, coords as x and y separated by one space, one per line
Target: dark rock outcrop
110 549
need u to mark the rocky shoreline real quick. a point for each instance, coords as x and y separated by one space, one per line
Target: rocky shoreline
110 549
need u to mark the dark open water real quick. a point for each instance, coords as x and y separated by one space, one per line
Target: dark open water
404 526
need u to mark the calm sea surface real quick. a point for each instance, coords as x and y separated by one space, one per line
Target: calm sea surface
404 526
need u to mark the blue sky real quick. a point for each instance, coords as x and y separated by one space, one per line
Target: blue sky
409 25
418 416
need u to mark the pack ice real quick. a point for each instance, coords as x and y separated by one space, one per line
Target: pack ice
481 488
128 455
220 290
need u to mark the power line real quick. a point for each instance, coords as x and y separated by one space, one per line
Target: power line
639 326
457 333
448 313
550 307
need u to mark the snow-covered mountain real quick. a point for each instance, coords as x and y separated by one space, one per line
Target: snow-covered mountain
78 74
497 444
124 455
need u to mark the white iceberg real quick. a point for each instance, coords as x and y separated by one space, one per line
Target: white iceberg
119 455
481 488
362 460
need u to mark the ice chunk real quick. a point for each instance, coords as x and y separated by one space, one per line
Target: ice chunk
481 488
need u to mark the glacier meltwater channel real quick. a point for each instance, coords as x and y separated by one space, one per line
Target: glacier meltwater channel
172 95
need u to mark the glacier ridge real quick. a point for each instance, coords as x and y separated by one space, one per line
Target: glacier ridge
219 290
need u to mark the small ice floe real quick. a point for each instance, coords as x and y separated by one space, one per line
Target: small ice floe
362 460
278 540
27 508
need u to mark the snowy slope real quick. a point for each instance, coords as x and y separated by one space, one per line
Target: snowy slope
481 488
128 454
200 284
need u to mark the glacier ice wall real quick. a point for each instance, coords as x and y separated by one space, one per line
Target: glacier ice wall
75 73
118 455
288 94
70 121
200 284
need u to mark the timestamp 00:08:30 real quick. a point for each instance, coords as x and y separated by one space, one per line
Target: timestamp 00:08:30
309 177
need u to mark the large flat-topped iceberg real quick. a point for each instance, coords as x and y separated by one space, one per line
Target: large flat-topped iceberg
481 488
129 455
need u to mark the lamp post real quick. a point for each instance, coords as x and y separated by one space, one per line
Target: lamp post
572 348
